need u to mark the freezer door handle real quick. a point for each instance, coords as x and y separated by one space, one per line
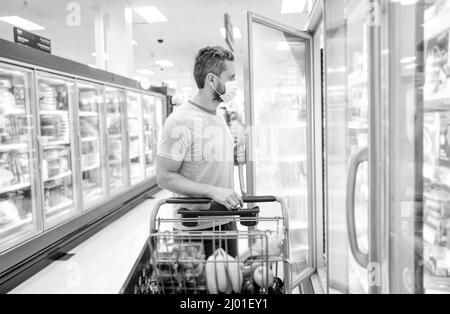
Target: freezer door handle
242 180
360 157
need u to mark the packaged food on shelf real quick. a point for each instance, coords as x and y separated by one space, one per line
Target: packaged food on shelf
89 127
8 214
444 151
88 100
437 64
14 168
55 128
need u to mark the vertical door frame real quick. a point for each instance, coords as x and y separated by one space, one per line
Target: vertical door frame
317 20
249 19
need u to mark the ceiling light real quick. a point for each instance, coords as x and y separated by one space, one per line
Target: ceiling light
236 32
145 72
21 23
134 42
292 6
164 63
151 14
93 66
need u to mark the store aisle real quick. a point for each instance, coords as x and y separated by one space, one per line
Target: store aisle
102 263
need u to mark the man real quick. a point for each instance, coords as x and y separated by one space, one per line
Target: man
196 151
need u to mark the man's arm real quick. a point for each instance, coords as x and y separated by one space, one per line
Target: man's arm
168 178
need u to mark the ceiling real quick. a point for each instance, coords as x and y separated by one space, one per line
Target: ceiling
191 25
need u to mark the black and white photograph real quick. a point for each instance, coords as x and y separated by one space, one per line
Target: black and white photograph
229 155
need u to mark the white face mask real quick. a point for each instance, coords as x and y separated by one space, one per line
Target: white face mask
231 88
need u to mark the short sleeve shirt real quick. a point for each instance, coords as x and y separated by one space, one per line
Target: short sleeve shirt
202 141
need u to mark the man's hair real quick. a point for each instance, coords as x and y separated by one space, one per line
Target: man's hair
210 60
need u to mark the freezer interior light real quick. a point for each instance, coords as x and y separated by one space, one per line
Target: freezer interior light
293 6
236 32
151 14
21 23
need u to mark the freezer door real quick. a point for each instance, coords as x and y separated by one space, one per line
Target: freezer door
19 203
91 146
347 141
115 113
135 136
278 109
56 100
419 213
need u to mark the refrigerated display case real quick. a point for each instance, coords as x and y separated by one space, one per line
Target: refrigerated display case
90 115
115 104
55 96
135 135
388 115
18 216
64 152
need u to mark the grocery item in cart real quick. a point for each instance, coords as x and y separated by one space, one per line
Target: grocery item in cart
223 273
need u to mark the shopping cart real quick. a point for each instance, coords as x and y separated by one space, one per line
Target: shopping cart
179 263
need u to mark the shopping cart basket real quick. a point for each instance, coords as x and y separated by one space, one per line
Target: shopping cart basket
179 264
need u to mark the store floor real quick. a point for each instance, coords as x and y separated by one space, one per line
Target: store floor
102 263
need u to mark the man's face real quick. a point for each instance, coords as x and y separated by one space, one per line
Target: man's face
228 75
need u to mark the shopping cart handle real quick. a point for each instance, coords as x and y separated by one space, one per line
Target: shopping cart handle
248 216
259 199
199 201
187 213
188 200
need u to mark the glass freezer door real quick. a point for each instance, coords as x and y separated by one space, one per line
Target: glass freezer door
277 99
347 129
18 202
419 243
135 134
115 104
90 108
56 100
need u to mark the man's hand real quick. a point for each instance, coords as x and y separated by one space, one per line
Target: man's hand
227 197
